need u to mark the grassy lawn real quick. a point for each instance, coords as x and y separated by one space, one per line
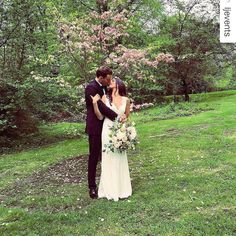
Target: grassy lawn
183 178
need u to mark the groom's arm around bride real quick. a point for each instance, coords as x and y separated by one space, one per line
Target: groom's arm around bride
94 125
91 90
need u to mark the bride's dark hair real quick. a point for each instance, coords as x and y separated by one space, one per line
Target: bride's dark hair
120 87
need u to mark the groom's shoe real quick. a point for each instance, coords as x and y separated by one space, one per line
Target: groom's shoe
93 193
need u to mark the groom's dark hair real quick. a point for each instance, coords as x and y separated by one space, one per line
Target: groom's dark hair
103 71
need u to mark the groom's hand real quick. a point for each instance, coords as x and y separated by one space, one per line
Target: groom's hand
104 98
96 98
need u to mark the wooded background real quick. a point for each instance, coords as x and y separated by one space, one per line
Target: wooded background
50 50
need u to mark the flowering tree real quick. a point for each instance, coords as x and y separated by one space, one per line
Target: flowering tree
99 39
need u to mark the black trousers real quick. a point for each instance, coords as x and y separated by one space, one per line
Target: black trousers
95 151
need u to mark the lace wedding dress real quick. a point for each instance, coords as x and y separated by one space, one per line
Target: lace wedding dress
115 180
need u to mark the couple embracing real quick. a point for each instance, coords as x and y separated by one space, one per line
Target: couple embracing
106 101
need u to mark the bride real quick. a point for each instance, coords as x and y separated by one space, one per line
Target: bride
115 180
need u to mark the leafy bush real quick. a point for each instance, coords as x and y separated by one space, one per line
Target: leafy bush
172 110
24 104
48 133
15 114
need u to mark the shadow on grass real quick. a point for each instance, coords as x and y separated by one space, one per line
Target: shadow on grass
51 189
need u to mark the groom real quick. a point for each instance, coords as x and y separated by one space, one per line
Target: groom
94 125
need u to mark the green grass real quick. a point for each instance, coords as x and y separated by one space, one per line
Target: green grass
183 178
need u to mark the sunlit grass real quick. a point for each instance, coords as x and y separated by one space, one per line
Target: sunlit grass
183 178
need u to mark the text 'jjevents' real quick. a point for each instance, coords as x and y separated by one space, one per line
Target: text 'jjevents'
228 21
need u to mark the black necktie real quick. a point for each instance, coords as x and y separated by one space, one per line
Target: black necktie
103 89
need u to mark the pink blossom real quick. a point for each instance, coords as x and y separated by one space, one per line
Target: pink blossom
96 27
106 15
119 17
92 38
89 37
168 58
112 56
101 35
110 30
95 15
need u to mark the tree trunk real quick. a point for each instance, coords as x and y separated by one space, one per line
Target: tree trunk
186 97
186 92
102 6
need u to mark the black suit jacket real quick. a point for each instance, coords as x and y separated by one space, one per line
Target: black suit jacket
93 124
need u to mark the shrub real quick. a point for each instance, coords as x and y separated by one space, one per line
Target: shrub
24 104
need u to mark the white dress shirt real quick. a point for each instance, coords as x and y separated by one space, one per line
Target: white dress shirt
104 92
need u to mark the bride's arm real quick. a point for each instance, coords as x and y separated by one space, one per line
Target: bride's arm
127 109
95 99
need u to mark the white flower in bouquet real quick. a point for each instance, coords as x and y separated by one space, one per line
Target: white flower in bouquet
122 129
114 139
117 145
120 143
133 133
124 139
123 136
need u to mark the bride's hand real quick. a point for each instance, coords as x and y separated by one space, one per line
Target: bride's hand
104 98
123 118
96 98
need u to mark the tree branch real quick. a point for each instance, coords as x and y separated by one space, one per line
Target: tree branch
9 35
88 7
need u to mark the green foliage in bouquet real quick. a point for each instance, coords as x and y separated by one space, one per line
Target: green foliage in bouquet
123 136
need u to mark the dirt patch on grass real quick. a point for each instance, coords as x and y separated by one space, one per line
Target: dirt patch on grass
71 170
59 182
212 210
209 171
168 133
174 132
68 171
230 132
201 127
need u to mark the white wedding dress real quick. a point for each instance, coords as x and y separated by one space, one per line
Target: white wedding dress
115 180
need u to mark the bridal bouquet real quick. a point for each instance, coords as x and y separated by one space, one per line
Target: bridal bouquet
123 136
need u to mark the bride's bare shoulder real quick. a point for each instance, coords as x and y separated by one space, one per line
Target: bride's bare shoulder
126 99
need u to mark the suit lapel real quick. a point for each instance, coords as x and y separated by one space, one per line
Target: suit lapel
98 87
